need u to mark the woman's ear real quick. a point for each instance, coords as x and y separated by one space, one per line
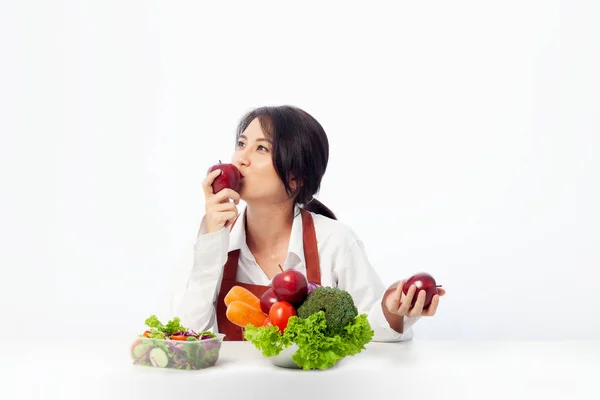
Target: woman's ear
295 184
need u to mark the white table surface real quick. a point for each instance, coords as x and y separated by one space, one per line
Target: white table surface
416 369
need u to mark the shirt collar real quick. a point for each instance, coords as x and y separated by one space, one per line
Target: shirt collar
237 237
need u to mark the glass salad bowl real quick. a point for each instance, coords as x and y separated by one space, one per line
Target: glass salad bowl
177 354
174 346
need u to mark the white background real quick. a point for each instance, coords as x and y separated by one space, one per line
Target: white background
465 141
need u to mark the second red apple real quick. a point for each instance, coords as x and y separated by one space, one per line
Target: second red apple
267 300
422 281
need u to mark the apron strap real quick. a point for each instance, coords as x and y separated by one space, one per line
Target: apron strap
311 250
231 266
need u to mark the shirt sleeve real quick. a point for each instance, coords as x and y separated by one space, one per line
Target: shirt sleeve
356 275
196 294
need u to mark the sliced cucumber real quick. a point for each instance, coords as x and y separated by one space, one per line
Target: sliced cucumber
139 350
158 358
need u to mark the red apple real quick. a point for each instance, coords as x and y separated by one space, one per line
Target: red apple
290 286
267 300
230 177
422 281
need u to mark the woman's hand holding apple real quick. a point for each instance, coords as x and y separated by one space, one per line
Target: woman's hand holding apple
220 211
405 301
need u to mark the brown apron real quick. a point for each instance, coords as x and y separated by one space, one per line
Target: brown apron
313 273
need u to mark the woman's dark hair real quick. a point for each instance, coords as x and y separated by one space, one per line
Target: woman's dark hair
300 151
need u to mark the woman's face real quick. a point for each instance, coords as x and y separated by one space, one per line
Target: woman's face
254 158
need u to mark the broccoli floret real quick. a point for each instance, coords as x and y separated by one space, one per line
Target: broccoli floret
337 304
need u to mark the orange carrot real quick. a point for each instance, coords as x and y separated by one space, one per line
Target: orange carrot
241 314
242 294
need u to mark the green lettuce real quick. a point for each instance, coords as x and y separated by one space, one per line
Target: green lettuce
155 334
158 330
153 322
267 339
316 350
173 326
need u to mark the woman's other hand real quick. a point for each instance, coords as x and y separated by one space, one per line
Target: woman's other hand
399 303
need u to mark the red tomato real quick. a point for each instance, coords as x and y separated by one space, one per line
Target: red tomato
280 313
178 337
267 322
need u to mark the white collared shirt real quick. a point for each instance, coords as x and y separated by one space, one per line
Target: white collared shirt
344 264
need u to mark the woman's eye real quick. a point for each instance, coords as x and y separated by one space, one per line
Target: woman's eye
260 147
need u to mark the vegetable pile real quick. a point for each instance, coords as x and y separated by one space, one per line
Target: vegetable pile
324 324
174 346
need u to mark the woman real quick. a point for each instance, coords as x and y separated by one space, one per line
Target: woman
282 154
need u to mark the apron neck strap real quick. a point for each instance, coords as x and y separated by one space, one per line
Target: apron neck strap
311 250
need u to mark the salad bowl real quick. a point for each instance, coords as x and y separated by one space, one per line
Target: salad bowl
284 358
173 346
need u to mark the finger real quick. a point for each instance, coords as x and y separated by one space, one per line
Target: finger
441 291
207 182
222 207
224 219
407 297
225 195
392 301
418 308
229 217
406 301
430 312
220 213
398 292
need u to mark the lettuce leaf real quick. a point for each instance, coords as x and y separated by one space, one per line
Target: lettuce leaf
158 330
267 339
173 326
156 334
316 350
153 322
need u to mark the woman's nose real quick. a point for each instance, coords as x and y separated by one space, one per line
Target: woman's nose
241 158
